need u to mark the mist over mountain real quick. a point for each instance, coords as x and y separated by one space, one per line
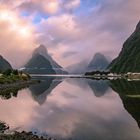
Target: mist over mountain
43 52
99 62
129 58
78 68
4 64
42 62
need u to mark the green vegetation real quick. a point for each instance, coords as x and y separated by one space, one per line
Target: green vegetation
11 81
3 127
12 76
129 58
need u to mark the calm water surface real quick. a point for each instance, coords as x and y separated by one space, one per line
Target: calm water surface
77 109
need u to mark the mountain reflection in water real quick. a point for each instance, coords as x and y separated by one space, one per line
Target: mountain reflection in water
77 109
129 92
40 91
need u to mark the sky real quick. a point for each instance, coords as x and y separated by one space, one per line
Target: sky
71 30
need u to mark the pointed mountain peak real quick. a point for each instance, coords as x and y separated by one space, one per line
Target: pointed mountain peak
98 56
42 47
99 62
42 50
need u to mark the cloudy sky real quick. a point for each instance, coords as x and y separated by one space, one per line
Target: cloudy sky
71 30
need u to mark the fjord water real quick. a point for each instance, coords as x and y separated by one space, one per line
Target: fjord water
71 108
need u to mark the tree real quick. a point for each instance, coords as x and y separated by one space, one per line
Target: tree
15 72
97 72
7 72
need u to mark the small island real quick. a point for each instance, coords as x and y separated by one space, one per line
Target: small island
12 76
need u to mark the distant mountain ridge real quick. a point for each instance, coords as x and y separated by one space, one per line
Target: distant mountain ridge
129 57
4 64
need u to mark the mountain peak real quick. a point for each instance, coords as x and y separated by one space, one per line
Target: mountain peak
42 50
98 62
98 55
42 47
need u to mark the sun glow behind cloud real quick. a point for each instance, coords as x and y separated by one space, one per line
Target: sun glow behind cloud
51 7
16 36
15 24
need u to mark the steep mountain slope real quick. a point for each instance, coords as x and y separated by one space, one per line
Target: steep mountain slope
129 58
99 62
38 64
4 64
43 51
